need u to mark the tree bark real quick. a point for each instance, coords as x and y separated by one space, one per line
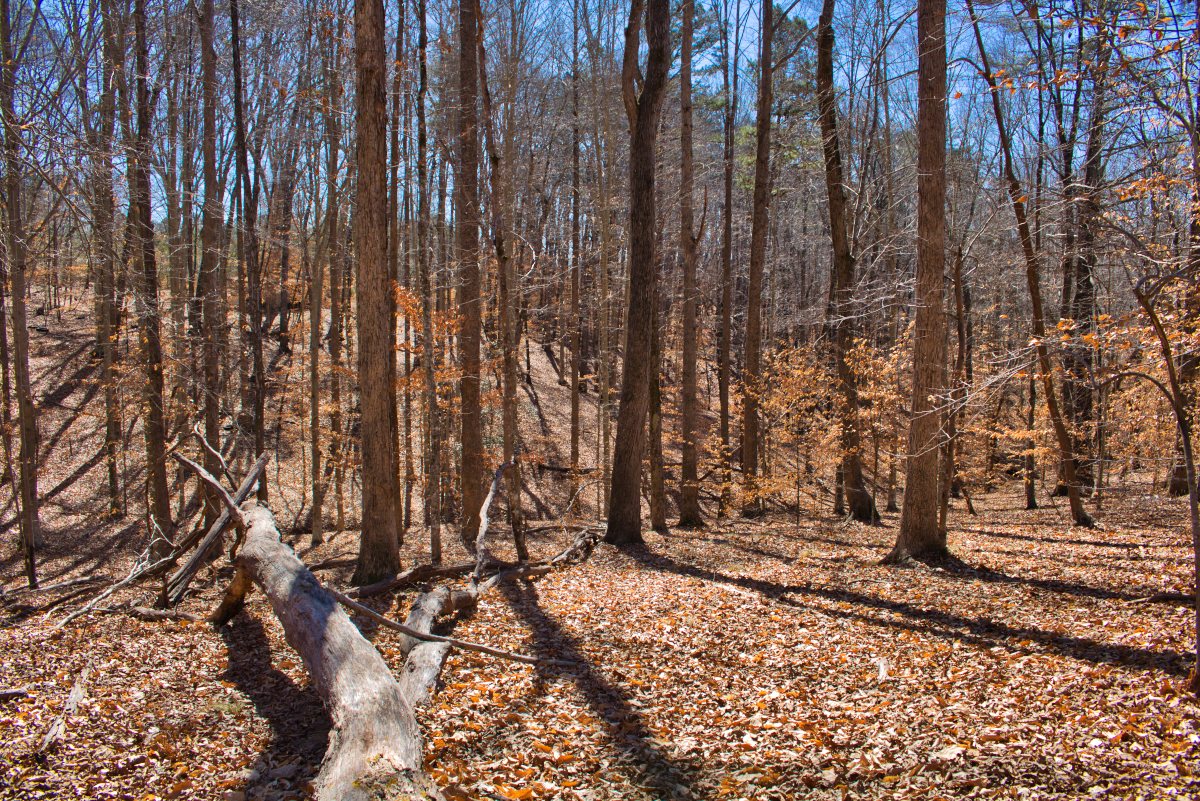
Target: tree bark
689 481
508 291
920 533
17 262
377 554
470 311
248 242
759 222
375 748
729 76
212 307
861 504
433 473
624 505
158 495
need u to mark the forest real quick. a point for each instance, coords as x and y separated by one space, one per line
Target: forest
599 399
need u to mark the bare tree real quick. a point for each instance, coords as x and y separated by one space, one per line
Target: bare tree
149 334
760 220
920 532
643 109
842 280
17 261
689 480
470 311
377 554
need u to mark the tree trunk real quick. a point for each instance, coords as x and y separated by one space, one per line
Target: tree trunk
576 263
470 311
433 473
158 495
1030 472
658 488
920 532
624 505
1033 281
508 291
760 220
377 553
689 481
212 310
375 748
729 76
17 260
861 504
248 242
103 234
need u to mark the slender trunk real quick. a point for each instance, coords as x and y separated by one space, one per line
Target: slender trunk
1033 281
729 76
576 321
17 262
921 527
643 110
103 233
212 309
158 495
248 242
501 203
689 480
433 473
862 506
759 222
393 264
658 490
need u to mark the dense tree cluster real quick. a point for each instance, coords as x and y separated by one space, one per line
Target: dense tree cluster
886 252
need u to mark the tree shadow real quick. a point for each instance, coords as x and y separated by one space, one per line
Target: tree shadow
734 544
1008 535
953 567
657 771
982 632
297 719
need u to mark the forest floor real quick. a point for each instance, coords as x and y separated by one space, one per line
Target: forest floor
771 659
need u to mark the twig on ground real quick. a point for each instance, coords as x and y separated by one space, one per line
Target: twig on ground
59 726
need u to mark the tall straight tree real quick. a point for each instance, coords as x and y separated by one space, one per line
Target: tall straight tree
378 555
470 311
1017 199
248 238
689 480
155 427
212 311
433 473
643 110
759 222
729 78
103 234
500 172
841 290
17 258
920 532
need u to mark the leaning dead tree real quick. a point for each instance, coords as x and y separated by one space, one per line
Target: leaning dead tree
375 747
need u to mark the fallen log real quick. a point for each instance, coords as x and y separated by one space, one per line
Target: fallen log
375 748
178 583
414 575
